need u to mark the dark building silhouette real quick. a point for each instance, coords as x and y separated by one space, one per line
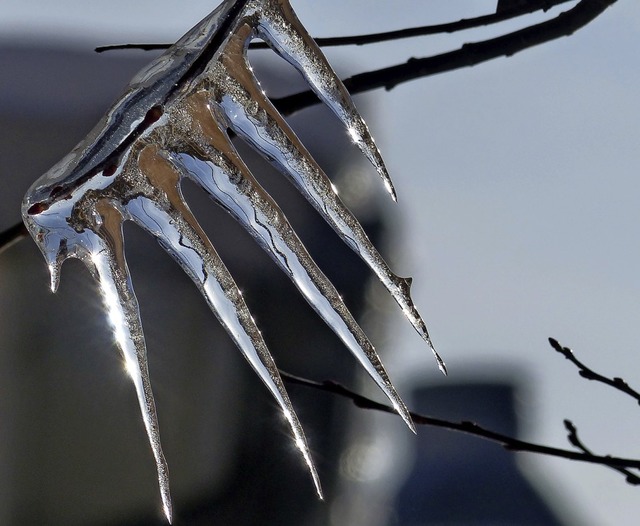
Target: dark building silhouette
459 479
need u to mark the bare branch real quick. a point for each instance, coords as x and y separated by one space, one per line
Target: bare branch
141 47
471 428
573 438
12 235
565 24
590 374
375 38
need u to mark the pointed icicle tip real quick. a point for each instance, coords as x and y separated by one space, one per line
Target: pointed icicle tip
441 365
388 185
404 413
411 425
166 508
319 492
54 272
165 495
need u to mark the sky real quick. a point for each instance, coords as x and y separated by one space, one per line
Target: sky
517 203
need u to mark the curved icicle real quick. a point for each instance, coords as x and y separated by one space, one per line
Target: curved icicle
168 218
280 28
227 179
108 264
266 130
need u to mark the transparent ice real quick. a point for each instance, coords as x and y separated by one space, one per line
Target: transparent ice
173 122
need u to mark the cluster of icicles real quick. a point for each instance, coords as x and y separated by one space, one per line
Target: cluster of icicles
173 122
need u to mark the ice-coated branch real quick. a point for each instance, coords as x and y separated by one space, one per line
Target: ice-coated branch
588 373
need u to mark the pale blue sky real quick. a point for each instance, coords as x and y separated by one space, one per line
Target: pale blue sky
518 198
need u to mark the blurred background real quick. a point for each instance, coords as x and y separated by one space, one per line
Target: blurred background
516 216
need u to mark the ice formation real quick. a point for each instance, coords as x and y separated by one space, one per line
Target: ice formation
173 122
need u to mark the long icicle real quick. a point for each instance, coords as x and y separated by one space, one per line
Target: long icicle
267 131
110 267
227 179
169 219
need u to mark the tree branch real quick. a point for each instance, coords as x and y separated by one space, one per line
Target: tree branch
573 438
374 38
12 235
471 428
590 374
565 24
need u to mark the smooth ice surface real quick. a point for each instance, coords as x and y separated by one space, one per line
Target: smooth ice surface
172 123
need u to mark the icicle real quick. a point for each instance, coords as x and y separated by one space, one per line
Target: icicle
266 130
171 123
110 268
280 28
229 182
168 218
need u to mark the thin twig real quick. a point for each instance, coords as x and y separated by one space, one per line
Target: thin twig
139 47
471 428
573 438
12 235
565 24
590 374
386 36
